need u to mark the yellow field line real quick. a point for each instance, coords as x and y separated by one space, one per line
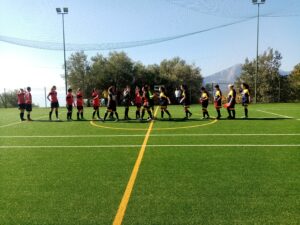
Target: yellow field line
166 128
125 199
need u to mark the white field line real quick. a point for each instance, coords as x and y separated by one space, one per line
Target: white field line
135 146
276 114
140 135
19 122
280 109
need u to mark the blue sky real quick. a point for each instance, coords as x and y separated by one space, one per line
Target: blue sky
102 21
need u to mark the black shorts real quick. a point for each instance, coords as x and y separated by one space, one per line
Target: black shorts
54 105
79 108
204 104
138 105
218 104
146 105
28 107
126 103
69 108
163 102
245 104
232 105
96 107
22 106
151 102
112 106
186 103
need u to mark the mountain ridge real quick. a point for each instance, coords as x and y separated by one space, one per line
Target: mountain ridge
229 75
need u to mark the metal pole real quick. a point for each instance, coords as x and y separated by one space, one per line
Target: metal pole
45 93
65 64
212 92
279 91
257 46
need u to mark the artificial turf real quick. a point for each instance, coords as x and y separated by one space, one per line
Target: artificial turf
239 177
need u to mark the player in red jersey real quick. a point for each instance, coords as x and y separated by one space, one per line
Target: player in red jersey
21 103
69 104
28 103
138 102
79 103
96 103
54 102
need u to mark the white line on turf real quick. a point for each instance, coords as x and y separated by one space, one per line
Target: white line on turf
10 124
135 146
139 135
19 122
276 114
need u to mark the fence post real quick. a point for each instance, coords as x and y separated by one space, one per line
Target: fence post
5 99
279 91
212 92
45 97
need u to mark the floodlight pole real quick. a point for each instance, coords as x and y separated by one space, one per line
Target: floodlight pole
257 2
62 13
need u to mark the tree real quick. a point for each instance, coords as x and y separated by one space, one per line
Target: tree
268 77
120 69
99 76
116 69
9 99
176 72
78 71
294 81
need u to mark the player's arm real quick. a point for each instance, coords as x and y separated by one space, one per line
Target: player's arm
231 99
169 100
48 97
182 99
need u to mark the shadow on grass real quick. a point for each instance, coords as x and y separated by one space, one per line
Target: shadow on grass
181 120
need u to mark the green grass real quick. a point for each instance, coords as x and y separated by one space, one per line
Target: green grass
181 184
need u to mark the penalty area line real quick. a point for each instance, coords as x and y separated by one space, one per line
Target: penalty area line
275 114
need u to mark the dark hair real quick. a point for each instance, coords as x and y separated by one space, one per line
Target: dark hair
205 91
245 85
70 89
184 87
162 89
217 86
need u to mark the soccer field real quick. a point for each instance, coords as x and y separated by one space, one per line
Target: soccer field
162 172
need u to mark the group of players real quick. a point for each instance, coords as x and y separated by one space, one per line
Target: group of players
143 100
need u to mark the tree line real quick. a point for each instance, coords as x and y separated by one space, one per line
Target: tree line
271 85
119 70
